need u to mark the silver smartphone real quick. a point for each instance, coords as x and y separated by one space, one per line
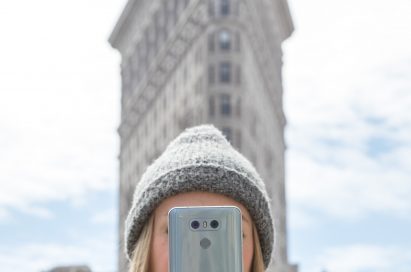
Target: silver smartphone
205 239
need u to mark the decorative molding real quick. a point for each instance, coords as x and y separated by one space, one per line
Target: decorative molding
188 29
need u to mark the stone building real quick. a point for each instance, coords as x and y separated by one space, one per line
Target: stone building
188 62
81 268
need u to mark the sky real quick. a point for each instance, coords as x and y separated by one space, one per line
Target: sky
347 98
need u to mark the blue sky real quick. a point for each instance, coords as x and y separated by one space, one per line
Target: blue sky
347 98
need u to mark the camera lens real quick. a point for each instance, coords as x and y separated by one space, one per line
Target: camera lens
214 224
195 224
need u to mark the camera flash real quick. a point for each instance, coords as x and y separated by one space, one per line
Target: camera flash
205 224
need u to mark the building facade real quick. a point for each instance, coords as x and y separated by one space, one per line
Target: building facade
189 62
80 268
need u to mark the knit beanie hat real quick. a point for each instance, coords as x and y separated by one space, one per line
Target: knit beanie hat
201 159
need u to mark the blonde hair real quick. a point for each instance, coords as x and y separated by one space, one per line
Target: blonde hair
258 261
140 260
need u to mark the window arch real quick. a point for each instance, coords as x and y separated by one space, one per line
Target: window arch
224 40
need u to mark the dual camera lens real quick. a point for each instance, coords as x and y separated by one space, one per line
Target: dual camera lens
195 224
214 224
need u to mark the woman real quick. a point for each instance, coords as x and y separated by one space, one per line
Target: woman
198 168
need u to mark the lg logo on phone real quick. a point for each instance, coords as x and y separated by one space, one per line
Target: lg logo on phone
205 243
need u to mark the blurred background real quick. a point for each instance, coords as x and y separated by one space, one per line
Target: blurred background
347 101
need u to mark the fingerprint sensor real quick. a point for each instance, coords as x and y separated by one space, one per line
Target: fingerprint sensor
205 243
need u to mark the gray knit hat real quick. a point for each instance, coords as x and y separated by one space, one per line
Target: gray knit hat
201 159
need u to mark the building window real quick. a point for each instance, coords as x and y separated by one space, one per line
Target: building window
211 74
225 72
224 40
228 133
211 106
224 7
225 105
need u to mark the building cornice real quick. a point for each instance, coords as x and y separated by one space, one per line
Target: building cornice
125 16
283 11
131 23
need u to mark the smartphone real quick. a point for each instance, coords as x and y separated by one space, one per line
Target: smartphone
205 239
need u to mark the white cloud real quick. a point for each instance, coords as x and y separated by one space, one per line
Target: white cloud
58 118
347 192
41 212
4 214
300 218
346 96
363 257
104 217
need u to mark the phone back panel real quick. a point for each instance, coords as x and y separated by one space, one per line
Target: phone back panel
205 249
